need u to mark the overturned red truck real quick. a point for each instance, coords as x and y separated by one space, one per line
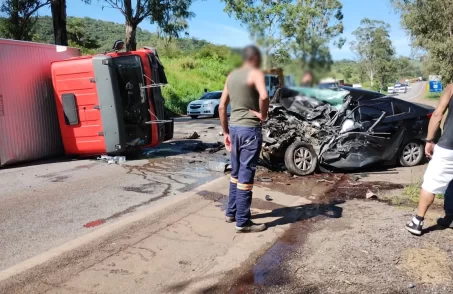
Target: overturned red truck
105 104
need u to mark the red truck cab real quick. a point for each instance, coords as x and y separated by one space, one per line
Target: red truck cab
110 102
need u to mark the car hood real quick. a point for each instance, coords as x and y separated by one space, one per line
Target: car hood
202 101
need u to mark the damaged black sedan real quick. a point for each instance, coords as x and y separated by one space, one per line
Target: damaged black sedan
306 133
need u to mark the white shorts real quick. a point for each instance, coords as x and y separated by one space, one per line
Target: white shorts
439 172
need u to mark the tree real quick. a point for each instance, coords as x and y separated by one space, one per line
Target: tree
312 25
163 13
303 27
430 25
374 49
175 26
78 36
20 17
347 72
58 9
264 20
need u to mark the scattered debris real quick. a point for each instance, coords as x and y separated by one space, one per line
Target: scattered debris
112 159
218 166
216 148
210 128
268 198
265 180
325 181
220 133
194 135
411 286
370 195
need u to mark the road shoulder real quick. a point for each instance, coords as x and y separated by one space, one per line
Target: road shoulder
182 246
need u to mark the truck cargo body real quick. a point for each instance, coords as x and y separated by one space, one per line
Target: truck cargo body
103 105
29 128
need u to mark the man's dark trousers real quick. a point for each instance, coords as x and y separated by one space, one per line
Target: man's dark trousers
245 151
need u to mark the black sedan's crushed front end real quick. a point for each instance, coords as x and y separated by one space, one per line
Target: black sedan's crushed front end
351 137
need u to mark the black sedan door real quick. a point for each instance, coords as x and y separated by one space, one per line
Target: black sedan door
376 137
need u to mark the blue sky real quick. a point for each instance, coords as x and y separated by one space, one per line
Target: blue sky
214 25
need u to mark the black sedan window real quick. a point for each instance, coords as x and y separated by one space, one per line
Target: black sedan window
374 111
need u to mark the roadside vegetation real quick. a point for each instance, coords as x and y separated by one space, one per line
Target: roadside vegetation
410 195
433 96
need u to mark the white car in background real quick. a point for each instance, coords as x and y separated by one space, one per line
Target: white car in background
208 104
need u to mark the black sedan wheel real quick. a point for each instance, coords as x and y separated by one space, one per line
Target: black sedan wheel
301 159
412 154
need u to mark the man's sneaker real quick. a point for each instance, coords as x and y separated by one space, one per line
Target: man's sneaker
446 221
414 228
230 219
251 228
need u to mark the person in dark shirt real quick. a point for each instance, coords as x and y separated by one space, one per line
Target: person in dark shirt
439 173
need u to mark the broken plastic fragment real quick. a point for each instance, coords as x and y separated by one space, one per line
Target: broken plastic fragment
370 195
194 135
112 159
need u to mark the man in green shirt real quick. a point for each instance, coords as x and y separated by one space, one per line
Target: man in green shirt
245 89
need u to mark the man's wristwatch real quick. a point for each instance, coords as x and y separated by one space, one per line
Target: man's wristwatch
429 141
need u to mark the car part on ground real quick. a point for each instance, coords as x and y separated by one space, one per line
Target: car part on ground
357 135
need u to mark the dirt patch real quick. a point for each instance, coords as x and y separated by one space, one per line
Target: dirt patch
327 188
343 243
427 265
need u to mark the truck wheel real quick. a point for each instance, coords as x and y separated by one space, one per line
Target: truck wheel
412 153
216 111
194 116
301 159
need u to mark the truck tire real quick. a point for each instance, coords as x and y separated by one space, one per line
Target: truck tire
301 159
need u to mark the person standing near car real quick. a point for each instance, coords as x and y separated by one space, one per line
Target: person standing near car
439 173
307 79
246 89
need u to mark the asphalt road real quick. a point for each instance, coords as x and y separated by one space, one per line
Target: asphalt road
415 92
46 204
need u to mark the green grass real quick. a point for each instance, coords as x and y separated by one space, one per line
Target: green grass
412 192
189 76
433 96
411 195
